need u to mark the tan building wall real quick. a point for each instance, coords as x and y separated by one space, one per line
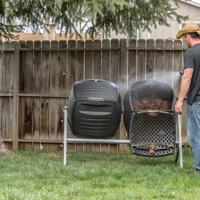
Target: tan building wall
165 32
189 8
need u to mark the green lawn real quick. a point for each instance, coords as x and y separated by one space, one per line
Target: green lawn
96 176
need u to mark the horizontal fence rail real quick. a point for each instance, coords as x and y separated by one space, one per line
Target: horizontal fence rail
37 76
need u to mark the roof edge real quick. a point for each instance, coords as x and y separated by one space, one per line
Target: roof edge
191 3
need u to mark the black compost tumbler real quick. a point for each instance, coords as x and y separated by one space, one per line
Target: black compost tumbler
94 109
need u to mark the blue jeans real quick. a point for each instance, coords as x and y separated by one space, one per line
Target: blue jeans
194 131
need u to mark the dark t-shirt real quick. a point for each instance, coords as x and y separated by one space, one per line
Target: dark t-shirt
192 60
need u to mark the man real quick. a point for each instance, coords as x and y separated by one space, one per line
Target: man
190 86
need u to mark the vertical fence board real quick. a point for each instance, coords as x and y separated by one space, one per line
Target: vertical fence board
159 60
9 118
27 64
6 117
54 64
56 59
45 89
27 71
97 60
123 67
80 68
44 132
141 60
22 61
53 116
71 68
3 121
115 60
13 120
150 67
168 62
106 59
132 70
88 59
45 62
28 126
36 90
7 68
66 76
1 68
36 118
37 67
22 85
65 69
13 125
22 118
8 59
60 119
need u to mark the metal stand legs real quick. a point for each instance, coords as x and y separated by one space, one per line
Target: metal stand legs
66 140
82 140
180 141
65 136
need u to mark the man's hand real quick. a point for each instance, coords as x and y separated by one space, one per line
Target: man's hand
179 107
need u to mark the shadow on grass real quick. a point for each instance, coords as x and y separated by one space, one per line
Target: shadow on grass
129 158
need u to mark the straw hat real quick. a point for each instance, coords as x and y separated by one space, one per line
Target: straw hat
190 27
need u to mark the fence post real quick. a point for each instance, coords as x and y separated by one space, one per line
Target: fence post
16 96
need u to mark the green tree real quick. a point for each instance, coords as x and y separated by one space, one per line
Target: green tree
78 16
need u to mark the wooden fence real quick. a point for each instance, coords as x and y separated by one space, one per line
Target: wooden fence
36 78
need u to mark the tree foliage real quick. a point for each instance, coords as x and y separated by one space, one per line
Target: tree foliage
78 16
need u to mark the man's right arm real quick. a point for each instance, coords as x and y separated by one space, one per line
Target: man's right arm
184 87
